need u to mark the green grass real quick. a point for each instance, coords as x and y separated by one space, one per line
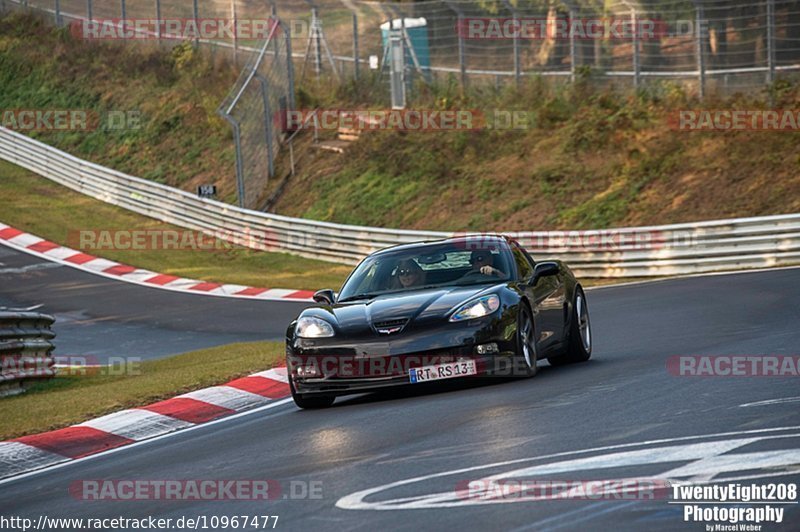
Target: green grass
180 141
36 205
66 400
591 158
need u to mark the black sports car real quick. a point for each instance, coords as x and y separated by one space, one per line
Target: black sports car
422 312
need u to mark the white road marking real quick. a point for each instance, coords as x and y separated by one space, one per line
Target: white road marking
772 402
31 267
708 459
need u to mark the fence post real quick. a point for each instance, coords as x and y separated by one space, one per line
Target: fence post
237 141
196 15
289 65
517 63
635 42
234 19
317 41
397 66
58 13
636 58
770 41
89 10
573 48
701 65
355 46
158 20
462 59
124 17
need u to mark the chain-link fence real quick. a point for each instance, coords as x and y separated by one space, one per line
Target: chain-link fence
257 108
719 45
706 41
722 46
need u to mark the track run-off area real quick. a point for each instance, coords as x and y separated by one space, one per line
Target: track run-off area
401 459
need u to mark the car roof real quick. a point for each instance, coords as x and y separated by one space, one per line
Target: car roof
467 238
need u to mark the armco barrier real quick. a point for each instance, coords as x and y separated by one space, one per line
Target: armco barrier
628 252
25 346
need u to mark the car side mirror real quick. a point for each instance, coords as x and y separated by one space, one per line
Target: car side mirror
544 269
325 296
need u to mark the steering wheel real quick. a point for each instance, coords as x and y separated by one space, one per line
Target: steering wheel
471 274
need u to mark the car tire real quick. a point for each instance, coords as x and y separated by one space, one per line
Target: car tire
527 350
310 403
579 343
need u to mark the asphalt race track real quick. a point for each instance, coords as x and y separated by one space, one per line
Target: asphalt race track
621 415
144 322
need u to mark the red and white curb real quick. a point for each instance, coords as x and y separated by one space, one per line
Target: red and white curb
51 251
37 451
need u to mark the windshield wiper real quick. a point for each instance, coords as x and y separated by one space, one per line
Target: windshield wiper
361 296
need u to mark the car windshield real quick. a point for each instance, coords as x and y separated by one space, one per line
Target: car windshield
449 264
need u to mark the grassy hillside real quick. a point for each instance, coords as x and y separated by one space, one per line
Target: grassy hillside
593 158
180 142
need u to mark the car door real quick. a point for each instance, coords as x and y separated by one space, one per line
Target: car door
548 295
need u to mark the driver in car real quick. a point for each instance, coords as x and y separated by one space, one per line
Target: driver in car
410 274
483 261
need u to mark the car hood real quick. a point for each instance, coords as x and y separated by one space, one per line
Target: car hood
431 304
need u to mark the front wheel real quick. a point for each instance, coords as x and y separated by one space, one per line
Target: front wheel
306 402
527 352
579 344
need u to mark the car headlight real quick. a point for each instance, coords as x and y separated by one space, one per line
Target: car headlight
477 308
310 327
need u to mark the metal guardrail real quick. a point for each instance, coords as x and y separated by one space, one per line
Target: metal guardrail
25 347
628 252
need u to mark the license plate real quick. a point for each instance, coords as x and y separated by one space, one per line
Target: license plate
449 370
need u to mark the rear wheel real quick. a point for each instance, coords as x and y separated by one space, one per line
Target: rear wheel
527 351
312 402
579 344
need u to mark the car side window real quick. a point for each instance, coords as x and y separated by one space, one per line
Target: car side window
524 267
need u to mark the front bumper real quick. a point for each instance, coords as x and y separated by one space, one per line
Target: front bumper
338 367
